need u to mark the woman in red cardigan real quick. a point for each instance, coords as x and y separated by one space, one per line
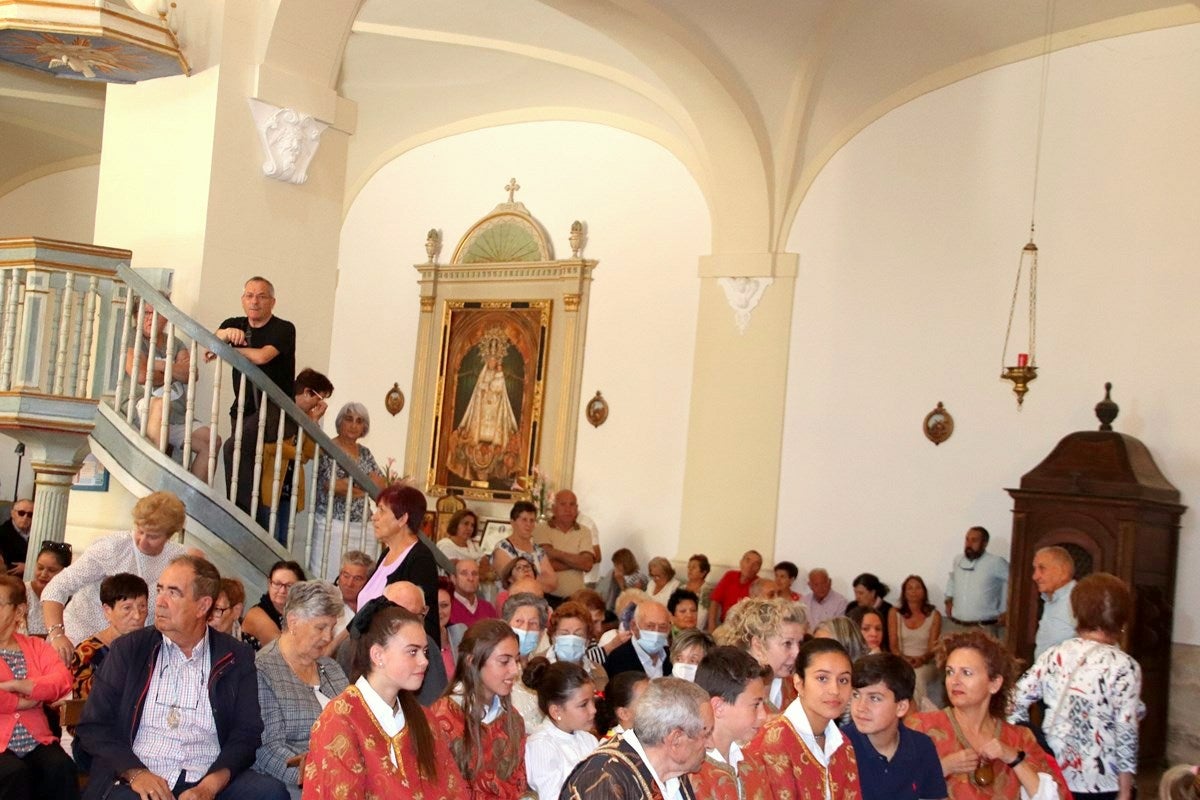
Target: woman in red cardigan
32 764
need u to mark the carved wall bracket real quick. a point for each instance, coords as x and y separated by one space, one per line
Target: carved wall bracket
743 295
289 140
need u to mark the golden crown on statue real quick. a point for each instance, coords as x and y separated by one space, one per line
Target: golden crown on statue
494 343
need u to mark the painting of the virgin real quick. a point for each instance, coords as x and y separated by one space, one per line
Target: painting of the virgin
489 396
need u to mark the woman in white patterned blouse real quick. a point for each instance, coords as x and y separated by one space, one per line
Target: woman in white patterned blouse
1092 693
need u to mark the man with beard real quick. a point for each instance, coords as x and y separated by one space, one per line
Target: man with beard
977 592
672 723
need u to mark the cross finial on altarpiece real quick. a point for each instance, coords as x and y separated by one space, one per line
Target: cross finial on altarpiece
512 188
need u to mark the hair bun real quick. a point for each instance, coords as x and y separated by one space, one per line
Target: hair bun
535 671
362 620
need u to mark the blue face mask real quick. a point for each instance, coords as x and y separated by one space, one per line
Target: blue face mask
569 648
652 642
527 640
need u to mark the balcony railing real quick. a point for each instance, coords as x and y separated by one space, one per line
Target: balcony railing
85 332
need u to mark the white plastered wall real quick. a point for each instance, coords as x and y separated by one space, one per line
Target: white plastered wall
647 224
908 244
61 205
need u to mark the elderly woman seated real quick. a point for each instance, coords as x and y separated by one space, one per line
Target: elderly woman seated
31 674
296 681
123 598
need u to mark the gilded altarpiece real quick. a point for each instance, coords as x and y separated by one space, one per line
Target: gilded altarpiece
497 377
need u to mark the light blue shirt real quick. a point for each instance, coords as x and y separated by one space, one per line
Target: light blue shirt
1057 623
979 588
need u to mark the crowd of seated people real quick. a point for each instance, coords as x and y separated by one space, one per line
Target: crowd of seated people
562 696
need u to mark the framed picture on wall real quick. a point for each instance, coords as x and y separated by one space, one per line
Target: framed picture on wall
494 531
489 397
92 476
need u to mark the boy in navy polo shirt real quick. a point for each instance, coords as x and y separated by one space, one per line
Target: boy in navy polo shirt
894 761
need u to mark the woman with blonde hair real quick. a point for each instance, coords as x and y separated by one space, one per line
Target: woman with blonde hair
771 631
662 579
144 551
1180 782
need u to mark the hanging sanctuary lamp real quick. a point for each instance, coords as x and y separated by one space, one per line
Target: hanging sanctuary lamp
1024 371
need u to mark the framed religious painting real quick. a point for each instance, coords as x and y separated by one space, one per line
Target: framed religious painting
489 399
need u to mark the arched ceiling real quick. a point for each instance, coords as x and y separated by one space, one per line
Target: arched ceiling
754 97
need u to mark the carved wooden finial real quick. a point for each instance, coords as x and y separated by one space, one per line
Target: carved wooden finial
512 188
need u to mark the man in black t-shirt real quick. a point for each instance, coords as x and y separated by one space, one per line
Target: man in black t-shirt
270 344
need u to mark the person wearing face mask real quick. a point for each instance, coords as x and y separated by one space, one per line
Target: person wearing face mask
646 650
737 687
568 630
526 614
688 649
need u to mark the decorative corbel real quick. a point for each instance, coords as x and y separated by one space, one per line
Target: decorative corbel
743 295
289 140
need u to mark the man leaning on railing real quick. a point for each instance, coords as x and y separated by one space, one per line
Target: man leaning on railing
269 343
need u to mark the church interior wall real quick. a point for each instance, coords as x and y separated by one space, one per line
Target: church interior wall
647 226
61 205
908 246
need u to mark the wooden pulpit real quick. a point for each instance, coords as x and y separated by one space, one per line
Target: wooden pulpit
1100 495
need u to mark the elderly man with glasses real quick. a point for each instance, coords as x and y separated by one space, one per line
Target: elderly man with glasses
14 537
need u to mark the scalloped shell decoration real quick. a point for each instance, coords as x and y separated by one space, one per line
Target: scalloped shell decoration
502 240
508 235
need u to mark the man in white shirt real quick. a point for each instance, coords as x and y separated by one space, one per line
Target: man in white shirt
737 687
672 722
822 603
977 592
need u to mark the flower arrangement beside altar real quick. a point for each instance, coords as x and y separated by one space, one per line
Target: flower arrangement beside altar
537 488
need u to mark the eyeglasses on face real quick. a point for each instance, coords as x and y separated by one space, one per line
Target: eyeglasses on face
220 610
280 586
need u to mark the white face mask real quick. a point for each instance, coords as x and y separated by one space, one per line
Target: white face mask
685 671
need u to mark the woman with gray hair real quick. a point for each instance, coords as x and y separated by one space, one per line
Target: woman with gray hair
295 681
352 423
527 615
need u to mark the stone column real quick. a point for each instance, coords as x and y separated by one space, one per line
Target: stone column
52 487
735 423
55 457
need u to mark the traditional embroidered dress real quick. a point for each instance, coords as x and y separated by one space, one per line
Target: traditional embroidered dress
719 780
502 775
940 728
87 658
787 690
617 771
350 756
785 754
